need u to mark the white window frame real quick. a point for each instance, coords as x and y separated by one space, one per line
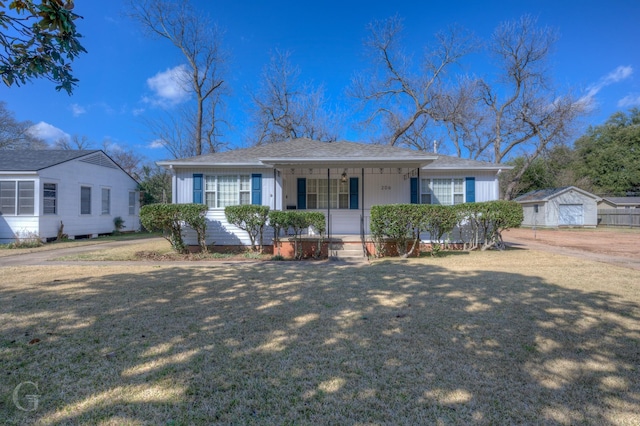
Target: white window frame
105 203
50 194
216 198
82 188
456 185
22 205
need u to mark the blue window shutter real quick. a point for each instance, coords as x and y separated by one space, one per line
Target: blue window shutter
471 189
414 190
302 193
353 193
197 188
256 188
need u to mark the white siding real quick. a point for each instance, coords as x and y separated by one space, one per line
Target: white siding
380 186
69 177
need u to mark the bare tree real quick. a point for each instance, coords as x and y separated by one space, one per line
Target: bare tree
403 101
519 109
127 159
199 42
75 142
15 134
283 108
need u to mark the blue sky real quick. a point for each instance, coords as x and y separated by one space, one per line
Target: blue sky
123 76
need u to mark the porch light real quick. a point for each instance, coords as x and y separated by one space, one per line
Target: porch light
344 177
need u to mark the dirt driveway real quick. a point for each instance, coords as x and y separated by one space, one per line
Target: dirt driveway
610 245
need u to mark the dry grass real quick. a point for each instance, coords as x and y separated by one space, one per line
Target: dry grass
485 338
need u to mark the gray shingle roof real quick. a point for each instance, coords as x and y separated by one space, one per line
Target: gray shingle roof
32 160
546 194
304 150
623 201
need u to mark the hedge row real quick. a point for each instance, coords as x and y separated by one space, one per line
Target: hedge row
169 218
480 224
254 218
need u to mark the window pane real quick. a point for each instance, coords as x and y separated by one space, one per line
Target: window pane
25 197
334 193
245 198
210 200
458 198
132 203
343 202
245 183
312 201
323 201
106 201
227 191
85 200
425 191
311 186
49 198
442 191
8 197
458 186
210 183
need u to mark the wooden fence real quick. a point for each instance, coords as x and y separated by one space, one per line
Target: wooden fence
619 217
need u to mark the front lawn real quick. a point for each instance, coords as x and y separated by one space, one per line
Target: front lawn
484 338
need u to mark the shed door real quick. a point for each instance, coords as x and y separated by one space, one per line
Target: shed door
571 214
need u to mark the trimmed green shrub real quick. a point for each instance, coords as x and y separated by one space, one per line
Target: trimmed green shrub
298 221
250 218
481 224
169 218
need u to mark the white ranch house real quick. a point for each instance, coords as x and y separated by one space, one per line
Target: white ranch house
341 179
83 189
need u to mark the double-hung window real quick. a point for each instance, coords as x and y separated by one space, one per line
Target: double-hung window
132 203
85 200
445 191
221 191
106 201
322 192
17 197
50 198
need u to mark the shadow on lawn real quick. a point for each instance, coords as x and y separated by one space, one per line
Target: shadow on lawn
280 343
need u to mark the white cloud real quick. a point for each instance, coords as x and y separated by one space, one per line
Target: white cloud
77 110
47 132
169 87
158 143
629 101
615 76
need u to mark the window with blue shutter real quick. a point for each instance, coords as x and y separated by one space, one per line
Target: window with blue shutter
353 193
302 193
471 189
414 190
197 188
256 188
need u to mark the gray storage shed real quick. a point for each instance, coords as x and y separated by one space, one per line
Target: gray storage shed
552 208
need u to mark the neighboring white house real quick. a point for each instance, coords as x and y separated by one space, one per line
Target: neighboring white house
566 206
619 203
84 190
341 179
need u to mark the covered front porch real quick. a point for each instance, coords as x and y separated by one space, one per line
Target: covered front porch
344 194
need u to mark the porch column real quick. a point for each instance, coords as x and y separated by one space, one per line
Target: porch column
329 205
362 200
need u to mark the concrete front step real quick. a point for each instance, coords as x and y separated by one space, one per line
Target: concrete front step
347 251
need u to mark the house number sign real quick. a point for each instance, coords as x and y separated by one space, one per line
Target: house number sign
386 187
